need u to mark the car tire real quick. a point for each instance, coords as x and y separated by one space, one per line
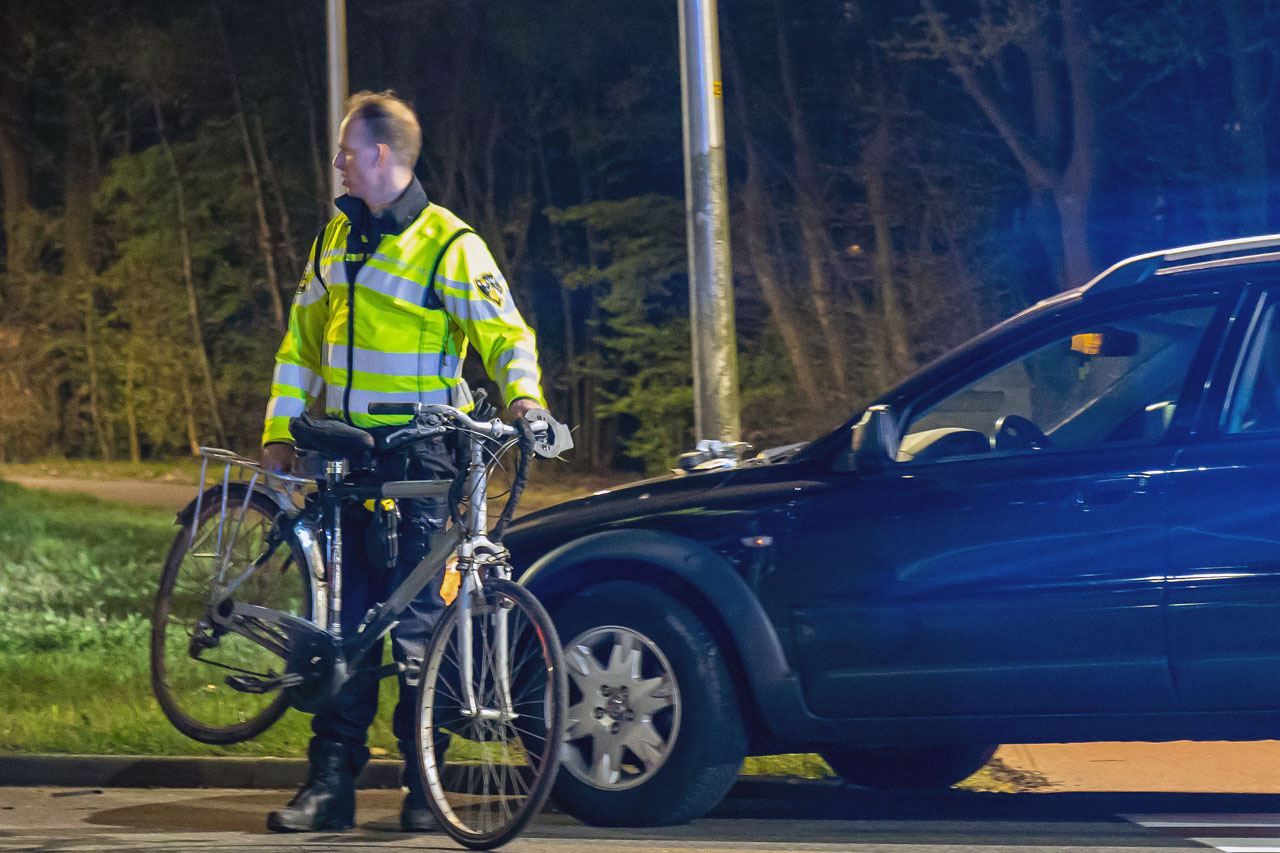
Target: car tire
919 769
679 710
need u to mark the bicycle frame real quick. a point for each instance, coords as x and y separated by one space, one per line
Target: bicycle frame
279 632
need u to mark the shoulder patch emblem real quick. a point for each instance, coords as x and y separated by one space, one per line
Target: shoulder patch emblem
492 287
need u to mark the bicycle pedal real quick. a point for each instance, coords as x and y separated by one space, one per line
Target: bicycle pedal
385 671
252 684
247 684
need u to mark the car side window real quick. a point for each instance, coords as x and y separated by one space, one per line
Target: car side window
1255 406
1116 380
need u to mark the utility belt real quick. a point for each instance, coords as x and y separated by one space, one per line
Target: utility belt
432 458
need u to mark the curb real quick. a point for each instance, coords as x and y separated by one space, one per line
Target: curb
147 771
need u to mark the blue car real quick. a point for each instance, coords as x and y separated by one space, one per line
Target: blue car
1068 529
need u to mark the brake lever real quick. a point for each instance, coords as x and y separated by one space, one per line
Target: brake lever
555 437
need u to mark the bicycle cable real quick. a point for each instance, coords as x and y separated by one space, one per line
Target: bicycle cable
525 444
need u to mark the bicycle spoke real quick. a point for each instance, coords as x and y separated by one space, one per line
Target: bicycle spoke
191 690
500 767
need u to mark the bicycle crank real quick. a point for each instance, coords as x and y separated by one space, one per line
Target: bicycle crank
317 662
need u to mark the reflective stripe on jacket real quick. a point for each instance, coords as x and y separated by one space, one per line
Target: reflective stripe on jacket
398 349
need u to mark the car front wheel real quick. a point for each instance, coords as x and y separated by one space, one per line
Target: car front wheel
654 734
910 769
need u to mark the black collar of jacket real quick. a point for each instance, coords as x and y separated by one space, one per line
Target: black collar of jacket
392 219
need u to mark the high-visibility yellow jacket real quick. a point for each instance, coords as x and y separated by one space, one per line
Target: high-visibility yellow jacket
387 339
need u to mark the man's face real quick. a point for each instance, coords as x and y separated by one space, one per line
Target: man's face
358 159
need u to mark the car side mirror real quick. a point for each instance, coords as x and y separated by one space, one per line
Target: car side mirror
875 440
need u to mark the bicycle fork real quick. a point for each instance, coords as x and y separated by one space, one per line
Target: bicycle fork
472 672
472 590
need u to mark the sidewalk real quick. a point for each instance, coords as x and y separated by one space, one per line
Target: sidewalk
1182 766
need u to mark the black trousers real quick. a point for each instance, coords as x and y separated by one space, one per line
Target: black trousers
365 583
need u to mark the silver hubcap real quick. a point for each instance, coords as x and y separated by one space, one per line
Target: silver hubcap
624 712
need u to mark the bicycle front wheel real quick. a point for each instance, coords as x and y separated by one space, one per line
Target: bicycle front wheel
488 771
190 655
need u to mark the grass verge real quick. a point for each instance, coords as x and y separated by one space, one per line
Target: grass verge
77 576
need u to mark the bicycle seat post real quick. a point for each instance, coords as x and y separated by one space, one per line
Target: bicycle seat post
335 471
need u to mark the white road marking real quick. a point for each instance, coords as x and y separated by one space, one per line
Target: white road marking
1214 830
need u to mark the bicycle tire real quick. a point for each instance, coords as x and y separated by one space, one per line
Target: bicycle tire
493 776
192 691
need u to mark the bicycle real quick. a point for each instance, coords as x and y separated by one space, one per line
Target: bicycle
256 581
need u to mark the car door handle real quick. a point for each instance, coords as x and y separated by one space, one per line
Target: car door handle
1108 491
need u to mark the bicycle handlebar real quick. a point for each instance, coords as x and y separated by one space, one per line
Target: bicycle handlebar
551 438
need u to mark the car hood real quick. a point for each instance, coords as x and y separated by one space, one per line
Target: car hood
647 497
641 498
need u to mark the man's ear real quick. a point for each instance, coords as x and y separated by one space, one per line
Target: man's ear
384 154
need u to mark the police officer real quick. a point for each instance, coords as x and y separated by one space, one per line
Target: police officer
395 291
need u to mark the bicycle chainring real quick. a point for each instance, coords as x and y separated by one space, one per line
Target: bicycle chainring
319 660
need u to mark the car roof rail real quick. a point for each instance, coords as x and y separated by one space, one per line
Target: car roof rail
1220 253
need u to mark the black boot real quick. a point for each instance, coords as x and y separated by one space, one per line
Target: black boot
327 800
415 813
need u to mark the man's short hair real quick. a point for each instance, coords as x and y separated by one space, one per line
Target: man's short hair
388 120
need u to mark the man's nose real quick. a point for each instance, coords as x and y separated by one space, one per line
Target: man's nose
337 160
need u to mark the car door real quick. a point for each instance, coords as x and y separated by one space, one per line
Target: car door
1009 572
1224 509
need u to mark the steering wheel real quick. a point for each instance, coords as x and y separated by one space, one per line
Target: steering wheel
1014 432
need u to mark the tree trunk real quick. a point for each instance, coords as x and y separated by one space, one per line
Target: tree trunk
1073 191
482 180
130 407
813 228
320 167
79 281
1071 185
100 430
1249 105
188 405
897 355
781 308
282 210
755 205
188 278
15 175
1046 127
274 298
572 374
592 426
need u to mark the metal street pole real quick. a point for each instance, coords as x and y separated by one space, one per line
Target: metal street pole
715 356
337 39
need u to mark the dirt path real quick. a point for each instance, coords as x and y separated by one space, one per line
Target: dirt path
168 495
175 495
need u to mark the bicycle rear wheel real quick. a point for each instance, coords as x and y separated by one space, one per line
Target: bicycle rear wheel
493 772
190 656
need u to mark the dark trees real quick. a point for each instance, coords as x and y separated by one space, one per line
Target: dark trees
900 175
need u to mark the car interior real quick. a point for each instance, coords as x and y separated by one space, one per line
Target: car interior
1116 382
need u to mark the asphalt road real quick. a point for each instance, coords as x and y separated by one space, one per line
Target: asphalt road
810 818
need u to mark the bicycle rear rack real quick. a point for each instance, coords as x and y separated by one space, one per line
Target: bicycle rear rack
283 488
